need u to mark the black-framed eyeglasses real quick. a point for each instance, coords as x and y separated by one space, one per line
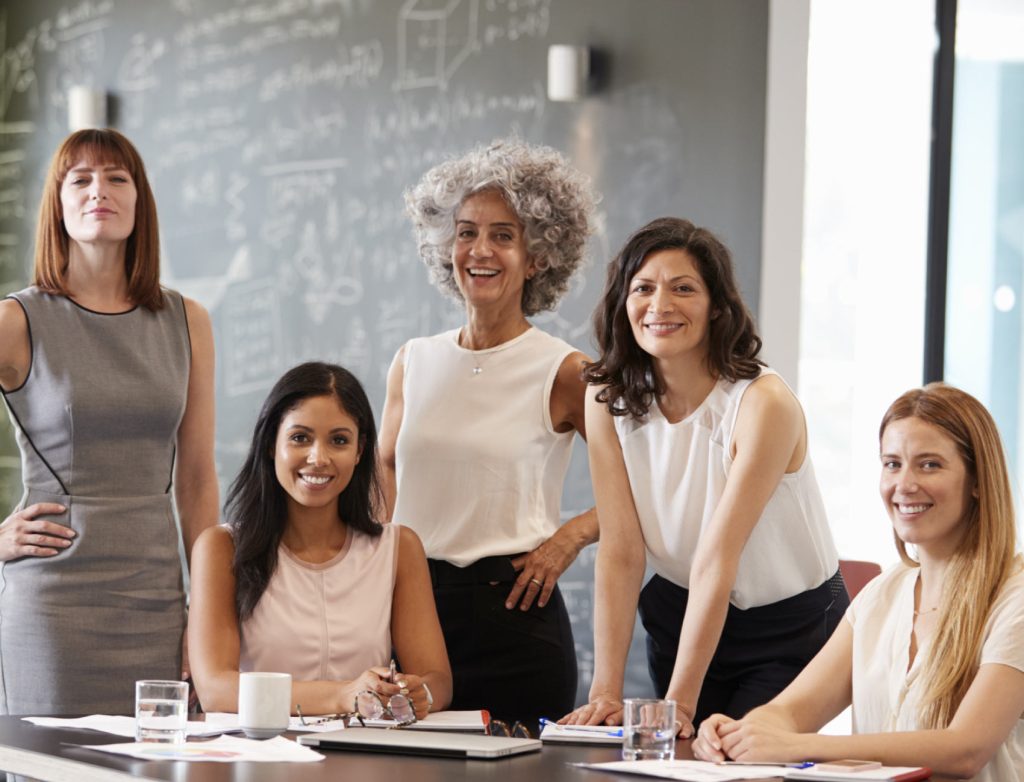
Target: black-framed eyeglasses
501 728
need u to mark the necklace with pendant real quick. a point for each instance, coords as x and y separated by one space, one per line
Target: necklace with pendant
480 357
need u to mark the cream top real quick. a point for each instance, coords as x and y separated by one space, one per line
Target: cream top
887 697
479 465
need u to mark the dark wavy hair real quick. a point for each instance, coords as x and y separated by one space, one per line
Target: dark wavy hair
256 506
624 368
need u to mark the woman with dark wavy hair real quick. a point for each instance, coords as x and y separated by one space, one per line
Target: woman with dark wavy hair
303 579
698 456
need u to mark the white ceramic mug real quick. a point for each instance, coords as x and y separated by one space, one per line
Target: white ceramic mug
264 703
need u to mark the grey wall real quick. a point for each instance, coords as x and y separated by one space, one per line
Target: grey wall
279 136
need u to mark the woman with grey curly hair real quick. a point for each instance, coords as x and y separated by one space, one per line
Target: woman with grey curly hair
478 424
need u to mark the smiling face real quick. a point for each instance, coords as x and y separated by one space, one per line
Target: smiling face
925 485
489 255
316 452
668 305
98 202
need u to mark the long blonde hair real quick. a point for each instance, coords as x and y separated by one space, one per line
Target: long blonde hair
986 554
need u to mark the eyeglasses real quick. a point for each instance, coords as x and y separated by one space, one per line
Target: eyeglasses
501 728
370 706
398 708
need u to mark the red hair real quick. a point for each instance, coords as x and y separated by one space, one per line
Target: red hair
142 253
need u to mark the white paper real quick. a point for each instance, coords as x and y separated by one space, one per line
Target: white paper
226 722
590 734
118 725
468 721
37 766
883 773
687 770
224 749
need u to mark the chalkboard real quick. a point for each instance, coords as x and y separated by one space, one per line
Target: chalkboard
280 134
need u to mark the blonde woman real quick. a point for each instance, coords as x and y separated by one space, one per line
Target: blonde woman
931 654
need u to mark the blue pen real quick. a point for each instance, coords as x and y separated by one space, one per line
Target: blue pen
802 764
601 730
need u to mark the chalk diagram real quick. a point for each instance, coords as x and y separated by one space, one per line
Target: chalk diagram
434 38
323 287
252 337
136 72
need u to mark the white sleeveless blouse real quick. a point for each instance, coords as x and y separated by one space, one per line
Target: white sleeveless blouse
677 473
479 466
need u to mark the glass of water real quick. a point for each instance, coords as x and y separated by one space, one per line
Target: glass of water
649 729
161 710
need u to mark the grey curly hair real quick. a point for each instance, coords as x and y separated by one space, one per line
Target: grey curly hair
554 202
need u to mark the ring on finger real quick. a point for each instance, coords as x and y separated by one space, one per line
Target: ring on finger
430 697
537 581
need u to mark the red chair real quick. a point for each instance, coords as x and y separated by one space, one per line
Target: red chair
856 573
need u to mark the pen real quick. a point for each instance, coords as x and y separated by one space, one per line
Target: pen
802 764
603 730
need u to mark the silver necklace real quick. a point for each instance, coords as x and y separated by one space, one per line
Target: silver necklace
480 357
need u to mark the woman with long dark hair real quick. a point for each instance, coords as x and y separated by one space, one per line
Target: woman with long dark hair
108 378
698 456
931 652
304 580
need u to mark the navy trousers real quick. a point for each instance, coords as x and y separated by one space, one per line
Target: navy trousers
760 652
519 665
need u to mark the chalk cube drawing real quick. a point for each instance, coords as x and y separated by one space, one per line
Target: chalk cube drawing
434 38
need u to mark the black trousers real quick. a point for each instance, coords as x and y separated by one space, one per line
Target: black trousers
760 652
519 665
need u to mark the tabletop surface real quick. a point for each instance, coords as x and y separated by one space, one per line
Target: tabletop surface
551 764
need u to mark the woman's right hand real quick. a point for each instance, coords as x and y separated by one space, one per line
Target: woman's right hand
372 679
24 535
600 711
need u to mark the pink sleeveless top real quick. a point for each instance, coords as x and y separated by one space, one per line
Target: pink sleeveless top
330 621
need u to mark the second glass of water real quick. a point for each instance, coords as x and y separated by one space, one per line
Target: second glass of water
649 729
161 710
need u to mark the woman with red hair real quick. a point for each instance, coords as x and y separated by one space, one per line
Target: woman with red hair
108 379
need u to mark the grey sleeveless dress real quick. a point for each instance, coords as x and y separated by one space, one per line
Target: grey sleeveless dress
96 422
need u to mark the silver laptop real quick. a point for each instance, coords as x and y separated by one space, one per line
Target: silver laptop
421 742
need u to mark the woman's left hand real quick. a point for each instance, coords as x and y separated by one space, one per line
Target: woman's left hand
539 571
759 740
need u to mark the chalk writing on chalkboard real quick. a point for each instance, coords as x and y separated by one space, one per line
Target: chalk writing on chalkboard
279 136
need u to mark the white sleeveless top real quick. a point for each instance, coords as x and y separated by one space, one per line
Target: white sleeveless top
479 466
677 473
328 621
